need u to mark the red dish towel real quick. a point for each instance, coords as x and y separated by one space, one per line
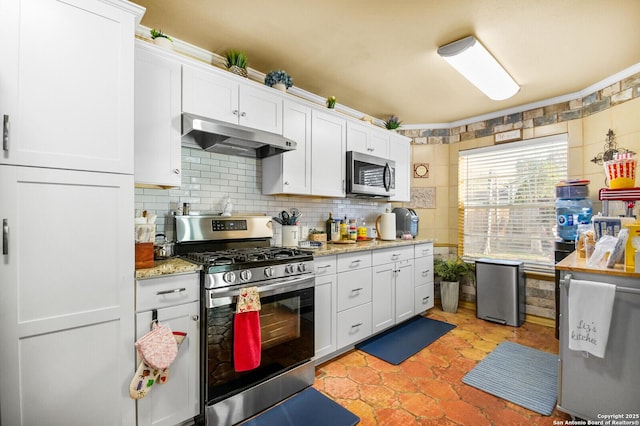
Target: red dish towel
246 341
246 331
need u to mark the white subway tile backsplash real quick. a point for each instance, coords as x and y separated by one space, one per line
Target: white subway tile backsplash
209 178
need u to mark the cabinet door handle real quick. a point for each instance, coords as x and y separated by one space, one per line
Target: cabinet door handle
236 112
323 266
425 272
175 290
356 289
195 317
357 261
5 133
425 299
395 256
176 171
5 236
356 325
243 114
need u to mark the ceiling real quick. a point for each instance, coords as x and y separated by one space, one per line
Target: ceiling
379 57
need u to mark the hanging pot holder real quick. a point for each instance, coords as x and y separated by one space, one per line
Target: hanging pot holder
158 348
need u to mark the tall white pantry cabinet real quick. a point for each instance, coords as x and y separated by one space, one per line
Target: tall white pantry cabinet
66 205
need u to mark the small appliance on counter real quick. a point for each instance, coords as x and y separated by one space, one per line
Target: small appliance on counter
406 222
386 225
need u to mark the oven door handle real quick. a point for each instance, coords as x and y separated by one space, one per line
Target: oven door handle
224 296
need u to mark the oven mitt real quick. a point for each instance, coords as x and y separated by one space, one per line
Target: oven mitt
247 344
164 374
158 348
145 376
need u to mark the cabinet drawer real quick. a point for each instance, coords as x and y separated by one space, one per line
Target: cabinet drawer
159 292
424 298
423 270
423 250
354 288
351 261
325 265
353 325
392 255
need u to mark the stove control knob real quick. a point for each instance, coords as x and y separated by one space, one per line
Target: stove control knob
301 267
245 275
290 269
229 277
268 272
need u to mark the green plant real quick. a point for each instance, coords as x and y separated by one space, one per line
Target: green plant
158 33
331 102
392 122
279 76
452 269
237 58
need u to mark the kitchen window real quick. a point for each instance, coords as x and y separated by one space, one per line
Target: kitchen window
506 200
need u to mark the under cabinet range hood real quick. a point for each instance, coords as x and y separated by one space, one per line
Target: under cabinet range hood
232 139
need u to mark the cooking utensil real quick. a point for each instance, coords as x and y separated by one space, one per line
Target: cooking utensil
277 219
286 219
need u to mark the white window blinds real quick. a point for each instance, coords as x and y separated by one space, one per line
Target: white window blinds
507 200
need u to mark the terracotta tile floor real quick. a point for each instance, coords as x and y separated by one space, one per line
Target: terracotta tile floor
427 388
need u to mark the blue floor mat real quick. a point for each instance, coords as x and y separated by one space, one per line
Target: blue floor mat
522 375
402 341
307 408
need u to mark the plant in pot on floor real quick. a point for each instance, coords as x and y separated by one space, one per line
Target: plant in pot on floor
237 62
451 271
278 80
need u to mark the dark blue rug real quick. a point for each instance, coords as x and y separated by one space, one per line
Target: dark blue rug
525 376
308 408
406 339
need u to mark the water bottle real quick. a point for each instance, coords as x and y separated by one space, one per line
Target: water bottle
573 208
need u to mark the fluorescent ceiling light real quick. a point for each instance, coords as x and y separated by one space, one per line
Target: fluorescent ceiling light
470 58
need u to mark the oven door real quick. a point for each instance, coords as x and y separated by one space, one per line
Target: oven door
287 332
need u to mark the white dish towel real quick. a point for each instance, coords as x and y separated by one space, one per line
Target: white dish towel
590 309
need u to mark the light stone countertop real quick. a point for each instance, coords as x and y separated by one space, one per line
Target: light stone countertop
174 265
332 248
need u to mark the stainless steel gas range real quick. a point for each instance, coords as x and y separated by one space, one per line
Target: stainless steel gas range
236 254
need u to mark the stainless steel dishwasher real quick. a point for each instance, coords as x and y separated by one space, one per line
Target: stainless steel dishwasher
591 387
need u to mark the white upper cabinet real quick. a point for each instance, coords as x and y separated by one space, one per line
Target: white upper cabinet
328 149
367 139
157 117
290 172
400 152
66 86
209 93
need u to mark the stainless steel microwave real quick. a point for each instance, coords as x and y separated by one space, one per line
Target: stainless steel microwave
369 176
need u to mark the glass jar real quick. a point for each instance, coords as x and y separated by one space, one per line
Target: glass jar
573 208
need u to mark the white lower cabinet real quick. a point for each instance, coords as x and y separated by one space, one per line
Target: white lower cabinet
66 297
353 298
423 255
176 301
359 294
325 306
393 295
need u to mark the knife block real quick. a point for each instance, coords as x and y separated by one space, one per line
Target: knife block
144 255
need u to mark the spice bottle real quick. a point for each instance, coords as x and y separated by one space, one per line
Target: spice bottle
353 230
362 229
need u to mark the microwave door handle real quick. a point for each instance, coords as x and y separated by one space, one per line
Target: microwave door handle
387 177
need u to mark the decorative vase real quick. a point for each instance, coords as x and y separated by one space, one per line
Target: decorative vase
239 71
163 42
449 291
280 86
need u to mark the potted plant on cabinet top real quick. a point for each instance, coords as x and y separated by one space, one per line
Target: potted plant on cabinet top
237 62
161 39
451 271
279 80
392 123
